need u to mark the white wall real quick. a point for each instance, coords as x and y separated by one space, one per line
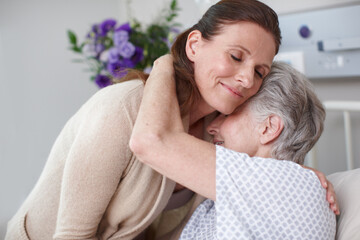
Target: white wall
291 6
40 88
330 149
147 11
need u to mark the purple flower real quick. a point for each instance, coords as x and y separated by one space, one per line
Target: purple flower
126 50
93 50
99 48
89 50
107 25
120 37
118 69
124 27
175 30
127 63
167 41
102 81
95 32
138 55
113 55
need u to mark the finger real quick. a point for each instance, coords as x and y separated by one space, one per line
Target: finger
331 191
331 197
335 209
337 212
322 178
324 182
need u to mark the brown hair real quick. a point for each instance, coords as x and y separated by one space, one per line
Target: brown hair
222 13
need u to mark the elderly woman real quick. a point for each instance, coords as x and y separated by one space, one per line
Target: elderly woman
257 196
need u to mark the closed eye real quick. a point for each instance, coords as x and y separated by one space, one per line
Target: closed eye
259 74
235 58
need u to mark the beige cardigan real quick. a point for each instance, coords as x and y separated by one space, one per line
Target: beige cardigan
92 186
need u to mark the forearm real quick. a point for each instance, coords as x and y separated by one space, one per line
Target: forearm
159 112
159 140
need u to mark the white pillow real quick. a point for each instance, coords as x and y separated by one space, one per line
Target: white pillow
347 188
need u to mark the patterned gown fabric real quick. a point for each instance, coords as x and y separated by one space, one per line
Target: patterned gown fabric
259 198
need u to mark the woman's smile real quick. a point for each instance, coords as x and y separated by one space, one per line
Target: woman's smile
233 91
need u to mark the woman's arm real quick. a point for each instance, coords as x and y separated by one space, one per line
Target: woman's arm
95 163
159 139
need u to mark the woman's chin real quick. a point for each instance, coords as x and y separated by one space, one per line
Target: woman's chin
226 110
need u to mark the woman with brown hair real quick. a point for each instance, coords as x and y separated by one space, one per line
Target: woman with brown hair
93 187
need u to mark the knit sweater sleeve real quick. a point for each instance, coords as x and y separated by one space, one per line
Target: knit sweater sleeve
96 160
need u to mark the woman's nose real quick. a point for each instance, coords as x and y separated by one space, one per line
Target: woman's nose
246 77
213 127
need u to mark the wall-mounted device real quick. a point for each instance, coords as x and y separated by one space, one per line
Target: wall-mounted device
323 43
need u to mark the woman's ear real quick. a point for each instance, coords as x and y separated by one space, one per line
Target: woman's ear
271 129
192 43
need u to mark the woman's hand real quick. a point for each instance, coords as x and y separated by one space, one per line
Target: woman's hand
163 65
330 192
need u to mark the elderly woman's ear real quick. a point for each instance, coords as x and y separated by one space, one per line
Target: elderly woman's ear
270 129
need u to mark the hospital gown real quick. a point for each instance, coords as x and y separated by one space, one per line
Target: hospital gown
262 198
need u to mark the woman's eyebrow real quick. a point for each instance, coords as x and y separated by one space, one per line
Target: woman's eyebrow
241 47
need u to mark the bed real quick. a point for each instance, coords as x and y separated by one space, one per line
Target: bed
346 183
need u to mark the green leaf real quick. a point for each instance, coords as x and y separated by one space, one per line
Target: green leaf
72 37
82 46
173 5
108 42
76 49
135 25
176 25
171 17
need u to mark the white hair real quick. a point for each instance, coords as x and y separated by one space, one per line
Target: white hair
287 93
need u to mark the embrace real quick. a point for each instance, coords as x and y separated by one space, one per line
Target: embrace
209 146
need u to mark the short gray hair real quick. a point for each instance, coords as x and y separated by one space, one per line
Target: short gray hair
288 94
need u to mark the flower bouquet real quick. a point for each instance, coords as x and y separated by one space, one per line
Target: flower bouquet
110 49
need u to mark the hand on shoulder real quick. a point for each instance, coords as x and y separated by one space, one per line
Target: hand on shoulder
163 65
